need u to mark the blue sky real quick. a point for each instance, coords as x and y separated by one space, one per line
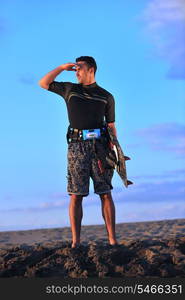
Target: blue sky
140 53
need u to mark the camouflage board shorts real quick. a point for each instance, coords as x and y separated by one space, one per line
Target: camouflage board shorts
83 165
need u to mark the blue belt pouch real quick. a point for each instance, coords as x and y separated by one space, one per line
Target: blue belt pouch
89 134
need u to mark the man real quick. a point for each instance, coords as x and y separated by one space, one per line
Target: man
88 106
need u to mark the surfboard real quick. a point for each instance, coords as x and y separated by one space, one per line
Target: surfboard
115 157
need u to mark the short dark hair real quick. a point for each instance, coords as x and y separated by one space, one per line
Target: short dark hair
89 60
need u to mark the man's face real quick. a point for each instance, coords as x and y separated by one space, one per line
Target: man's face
82 71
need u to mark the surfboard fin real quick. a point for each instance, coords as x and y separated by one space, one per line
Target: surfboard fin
129 182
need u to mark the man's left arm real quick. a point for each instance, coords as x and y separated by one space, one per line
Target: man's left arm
113 128
110 114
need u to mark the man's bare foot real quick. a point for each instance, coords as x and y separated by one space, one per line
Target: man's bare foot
112 245
75 245
113 242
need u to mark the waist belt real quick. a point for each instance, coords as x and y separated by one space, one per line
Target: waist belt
74 134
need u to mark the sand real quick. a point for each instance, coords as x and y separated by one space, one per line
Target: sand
146 249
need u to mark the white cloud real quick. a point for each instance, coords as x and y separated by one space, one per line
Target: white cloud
169 137
161 12
150 211
165 27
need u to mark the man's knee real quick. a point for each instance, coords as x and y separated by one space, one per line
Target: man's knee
106 196
76 199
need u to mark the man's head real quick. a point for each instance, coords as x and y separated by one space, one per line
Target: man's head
85 69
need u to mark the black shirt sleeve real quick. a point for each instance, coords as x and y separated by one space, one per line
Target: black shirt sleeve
60 88
110 110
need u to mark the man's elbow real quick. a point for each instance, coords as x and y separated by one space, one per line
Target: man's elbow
111 125
43 85
112 128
